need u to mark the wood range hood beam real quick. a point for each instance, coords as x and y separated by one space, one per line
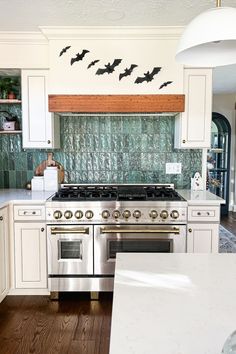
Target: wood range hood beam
116 103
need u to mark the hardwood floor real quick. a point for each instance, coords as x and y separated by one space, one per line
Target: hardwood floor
229 222
72 325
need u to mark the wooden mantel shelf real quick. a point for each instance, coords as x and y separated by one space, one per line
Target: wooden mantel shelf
116 103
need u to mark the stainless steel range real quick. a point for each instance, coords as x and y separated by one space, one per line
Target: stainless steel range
88 224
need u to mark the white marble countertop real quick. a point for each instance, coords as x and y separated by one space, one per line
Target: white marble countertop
23 196
173 303
200 197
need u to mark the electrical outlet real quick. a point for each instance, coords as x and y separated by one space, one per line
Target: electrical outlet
173 168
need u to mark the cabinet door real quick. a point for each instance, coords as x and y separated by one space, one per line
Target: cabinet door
193 126
203 238
30 255
40 128
4 256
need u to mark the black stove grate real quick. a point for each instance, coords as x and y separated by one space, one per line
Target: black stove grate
120 193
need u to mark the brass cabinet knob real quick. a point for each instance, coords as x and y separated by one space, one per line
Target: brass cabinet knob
190 230
184 141
1 218
42 229
49 141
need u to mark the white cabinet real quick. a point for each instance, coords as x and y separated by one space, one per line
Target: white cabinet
30 255
193 126
30 247
203 238
40 127
203 229
4 253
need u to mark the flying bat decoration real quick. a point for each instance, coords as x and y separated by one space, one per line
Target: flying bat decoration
79 56
92 63
165 84
127 71
109 68
148 76
64 50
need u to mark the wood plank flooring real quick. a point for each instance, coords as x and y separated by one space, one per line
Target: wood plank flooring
229 222
72 325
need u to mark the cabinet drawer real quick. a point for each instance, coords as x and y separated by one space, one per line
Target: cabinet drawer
29 212
204 213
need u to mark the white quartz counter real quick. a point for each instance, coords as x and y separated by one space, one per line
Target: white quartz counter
173 303
22 196
200 197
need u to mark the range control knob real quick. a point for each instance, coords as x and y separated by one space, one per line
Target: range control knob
137 214
105 214
57 214
126 214
174 214
68 214
153 214
116 214
79 214
89 214
164 214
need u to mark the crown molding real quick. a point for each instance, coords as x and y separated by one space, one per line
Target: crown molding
112 32
22 38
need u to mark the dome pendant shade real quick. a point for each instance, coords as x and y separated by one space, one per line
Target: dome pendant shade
209 39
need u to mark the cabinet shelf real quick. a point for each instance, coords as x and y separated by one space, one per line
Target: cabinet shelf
9 101
10 131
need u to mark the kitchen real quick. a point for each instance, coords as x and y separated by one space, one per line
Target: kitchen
95 147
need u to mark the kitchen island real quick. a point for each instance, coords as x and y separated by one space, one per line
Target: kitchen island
173 303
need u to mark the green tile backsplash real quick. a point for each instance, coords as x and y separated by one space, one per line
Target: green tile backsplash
103 149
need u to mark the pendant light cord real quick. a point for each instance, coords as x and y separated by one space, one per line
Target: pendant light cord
218 3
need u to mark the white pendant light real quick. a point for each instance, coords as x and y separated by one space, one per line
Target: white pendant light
209 39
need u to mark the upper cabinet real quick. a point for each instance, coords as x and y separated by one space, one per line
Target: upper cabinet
40 129
193 127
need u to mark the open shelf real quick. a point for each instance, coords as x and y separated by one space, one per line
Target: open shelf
10 131
9 101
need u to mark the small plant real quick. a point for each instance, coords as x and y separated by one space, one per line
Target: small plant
9 86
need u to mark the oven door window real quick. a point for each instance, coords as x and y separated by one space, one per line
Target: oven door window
70 249
138 246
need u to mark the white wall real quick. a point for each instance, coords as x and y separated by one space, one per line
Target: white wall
225 105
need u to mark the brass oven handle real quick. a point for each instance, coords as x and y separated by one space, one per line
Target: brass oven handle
139 231
74 230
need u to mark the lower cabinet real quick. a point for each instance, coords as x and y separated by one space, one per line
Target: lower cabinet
30 255
4 254
203 238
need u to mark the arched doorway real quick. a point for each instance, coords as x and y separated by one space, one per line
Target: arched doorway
218 159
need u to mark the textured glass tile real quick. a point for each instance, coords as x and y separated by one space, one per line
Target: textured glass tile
147 125
12 179
30 175
68 143
21 161
89 162
69 162
159 161
104 161
146 162
125 162
84 159
134 142
6 179
104 125
132 125
116 125
96 142
117 142
104 176
117 176
1 179
104 142
134 161
29 156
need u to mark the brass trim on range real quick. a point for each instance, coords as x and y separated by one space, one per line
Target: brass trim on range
74 230
139 231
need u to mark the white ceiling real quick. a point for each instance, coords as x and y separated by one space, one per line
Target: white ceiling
27 15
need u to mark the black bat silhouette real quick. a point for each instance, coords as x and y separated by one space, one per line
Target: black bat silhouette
148 76
165 84
64 50
79 56
92 63
127 71
109 68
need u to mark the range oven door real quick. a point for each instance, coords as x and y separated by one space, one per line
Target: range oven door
110 239
70 249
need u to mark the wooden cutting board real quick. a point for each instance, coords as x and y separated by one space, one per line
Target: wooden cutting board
39 171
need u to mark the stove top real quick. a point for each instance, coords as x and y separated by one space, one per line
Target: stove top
117 193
